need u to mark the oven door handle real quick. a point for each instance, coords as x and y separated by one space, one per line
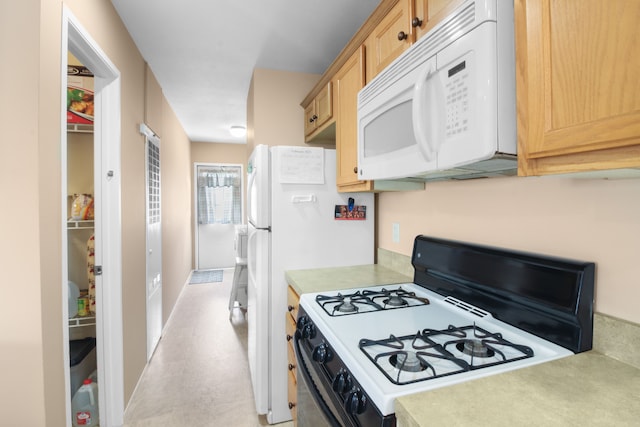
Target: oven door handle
312 386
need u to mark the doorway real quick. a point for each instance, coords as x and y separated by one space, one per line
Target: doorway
107 227
219 208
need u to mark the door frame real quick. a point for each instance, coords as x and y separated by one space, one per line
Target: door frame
195 201
108 226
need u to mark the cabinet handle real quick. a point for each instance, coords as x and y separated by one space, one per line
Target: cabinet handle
292 367
289 337
402 35
416 22
355 170
290 307
291 405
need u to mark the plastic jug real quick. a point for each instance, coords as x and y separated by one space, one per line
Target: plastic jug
84 405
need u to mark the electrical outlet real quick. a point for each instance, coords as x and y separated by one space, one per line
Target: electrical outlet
396 232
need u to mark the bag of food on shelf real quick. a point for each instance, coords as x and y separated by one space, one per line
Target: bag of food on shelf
82 207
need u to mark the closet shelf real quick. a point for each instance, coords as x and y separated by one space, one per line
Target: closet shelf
79 321
79 128
80 224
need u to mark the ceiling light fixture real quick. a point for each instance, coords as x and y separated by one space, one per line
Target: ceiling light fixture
238 131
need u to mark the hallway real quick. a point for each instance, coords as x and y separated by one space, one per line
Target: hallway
199 374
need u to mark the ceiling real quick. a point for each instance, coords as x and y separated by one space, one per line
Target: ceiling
203 52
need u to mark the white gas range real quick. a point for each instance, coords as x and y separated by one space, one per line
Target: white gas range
360 349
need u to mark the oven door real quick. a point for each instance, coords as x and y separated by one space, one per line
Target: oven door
315 405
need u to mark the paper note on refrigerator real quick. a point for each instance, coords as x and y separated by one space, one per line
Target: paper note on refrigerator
301 165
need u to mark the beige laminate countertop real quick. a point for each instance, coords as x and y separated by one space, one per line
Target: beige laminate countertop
588 389
333 279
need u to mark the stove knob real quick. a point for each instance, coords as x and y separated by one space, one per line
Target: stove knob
302 320
321 353
342 382
356 402
308 330
306 327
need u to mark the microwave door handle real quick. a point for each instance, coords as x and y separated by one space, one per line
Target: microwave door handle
428 101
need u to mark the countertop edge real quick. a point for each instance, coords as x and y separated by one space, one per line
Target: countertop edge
339 278
589 388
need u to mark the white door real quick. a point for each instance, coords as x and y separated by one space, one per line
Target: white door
218 207
108 226
258 242
154 241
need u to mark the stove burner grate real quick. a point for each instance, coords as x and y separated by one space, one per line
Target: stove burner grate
432 353
483 348
413 358
368 301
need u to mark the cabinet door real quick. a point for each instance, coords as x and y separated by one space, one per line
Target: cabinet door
578 90
293 300
324 106
310 118
347 82
392 36
429 12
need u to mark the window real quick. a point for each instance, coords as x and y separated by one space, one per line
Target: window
219 194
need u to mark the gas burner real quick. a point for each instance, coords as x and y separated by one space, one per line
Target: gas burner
407 361
395 301
346 307
475 348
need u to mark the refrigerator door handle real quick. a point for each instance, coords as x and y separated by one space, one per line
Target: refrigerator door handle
252 177
307 198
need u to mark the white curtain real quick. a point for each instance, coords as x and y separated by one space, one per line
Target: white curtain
219 195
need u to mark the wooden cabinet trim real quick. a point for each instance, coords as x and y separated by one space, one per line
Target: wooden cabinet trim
608 159
347 82
592 136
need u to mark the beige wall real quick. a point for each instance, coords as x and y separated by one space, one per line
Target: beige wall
21 344
176 208
274 114
590 220
31 318
206 152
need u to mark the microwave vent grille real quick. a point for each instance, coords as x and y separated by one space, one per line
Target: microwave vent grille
456 25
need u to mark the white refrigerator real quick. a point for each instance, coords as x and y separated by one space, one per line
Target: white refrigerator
292 203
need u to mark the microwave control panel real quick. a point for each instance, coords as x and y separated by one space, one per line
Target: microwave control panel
457 99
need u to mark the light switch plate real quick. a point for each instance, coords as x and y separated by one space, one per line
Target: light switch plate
396 232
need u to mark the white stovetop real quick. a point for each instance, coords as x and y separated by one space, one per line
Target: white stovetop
343 333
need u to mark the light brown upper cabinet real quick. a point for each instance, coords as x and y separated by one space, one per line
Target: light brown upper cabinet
405 23
578 85
347 82
392 36
318 114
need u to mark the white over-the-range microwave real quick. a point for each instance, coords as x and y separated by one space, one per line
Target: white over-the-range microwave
446 108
